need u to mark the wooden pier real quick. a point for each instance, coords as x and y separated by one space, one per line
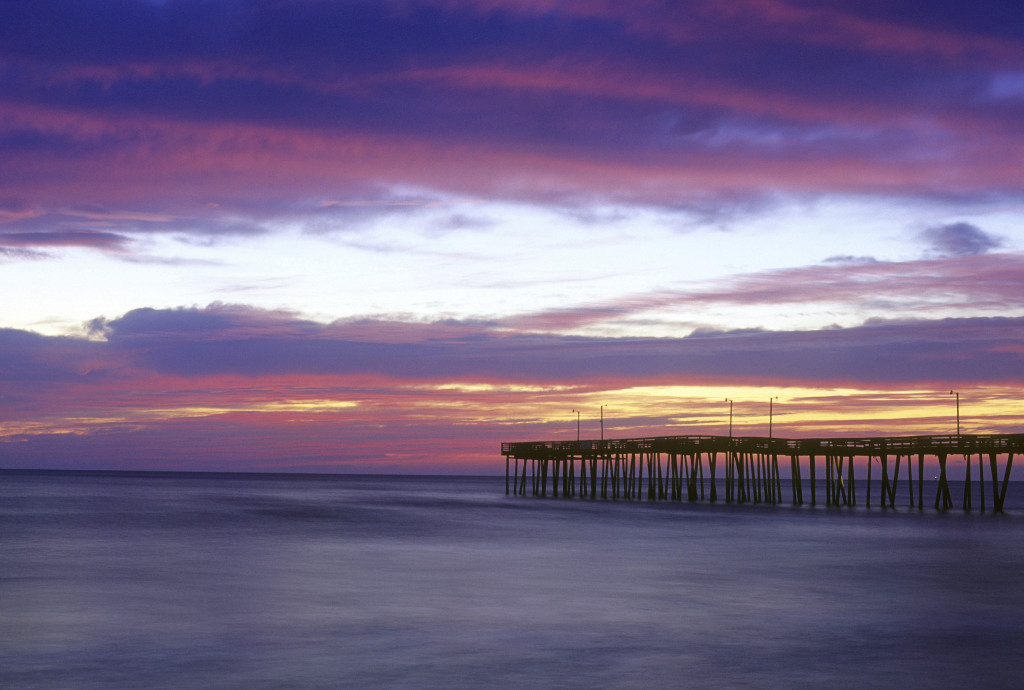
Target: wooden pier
688 468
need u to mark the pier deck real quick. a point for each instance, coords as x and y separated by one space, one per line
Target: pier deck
675 465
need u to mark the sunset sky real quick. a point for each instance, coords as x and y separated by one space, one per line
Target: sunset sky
387 235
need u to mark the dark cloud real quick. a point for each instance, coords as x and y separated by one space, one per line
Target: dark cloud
1000 18
69 227
689 101
31 359
89 239
229 387
847 259
224 340
961 239
22 254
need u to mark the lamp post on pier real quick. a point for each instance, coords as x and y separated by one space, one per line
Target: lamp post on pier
602 423
957 394
770 414
729 400
577 425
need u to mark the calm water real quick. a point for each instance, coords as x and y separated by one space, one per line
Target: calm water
122 580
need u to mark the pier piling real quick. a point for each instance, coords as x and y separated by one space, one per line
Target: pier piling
752 468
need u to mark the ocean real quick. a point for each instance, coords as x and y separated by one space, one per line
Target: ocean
167 580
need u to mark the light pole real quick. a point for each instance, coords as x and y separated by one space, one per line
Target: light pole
602 422
577 425
729 400
770 411
957 394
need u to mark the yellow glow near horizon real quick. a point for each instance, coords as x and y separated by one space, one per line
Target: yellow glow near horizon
84 425
800 407
633 410
314 405
62 425
304 406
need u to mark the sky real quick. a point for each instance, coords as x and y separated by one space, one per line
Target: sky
388 235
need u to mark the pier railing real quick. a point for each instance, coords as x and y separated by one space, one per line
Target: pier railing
860 445
675 463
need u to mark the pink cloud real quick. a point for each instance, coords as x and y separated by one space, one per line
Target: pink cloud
835 25
469 129
192 164
965 284
831 24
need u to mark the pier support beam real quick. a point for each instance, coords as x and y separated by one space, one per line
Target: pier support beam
870 463
814 482
942 493
752 472
967 482
910 479
853 486
999 491
920 481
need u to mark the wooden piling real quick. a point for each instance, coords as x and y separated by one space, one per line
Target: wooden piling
752 468
775 480
870 462
794 479
981 484
942 493
712 462
853 485
828 480
967 483
999 492
910 480
679 468
895 481
840 485
728 476
920 481
700 473
632 474
883 459
814 482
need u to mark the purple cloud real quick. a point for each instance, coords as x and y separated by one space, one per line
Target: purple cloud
204 388
22 254
648 102
960 239
222 340
965 284
89 239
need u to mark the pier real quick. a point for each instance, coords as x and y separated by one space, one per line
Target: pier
745 469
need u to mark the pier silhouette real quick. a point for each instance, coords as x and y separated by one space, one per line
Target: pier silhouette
675 468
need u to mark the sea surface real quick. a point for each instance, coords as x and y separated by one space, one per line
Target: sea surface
153 580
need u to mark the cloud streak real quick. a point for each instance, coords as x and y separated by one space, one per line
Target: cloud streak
89 239
646 104
965 284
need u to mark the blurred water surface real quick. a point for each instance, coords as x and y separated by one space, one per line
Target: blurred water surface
235 580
